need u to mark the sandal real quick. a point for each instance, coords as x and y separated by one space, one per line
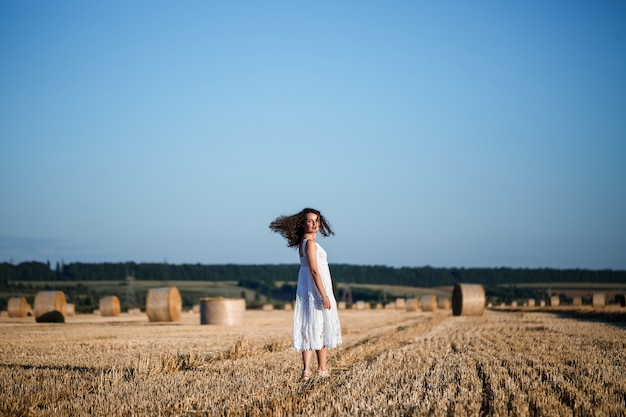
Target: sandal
306 375
323 374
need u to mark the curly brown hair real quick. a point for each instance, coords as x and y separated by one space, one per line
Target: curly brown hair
292 227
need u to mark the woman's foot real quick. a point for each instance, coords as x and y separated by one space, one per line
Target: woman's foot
306 375
323 373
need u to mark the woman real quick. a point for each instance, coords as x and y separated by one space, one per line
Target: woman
316 324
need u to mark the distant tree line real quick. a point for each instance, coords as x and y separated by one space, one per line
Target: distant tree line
276 283
265 276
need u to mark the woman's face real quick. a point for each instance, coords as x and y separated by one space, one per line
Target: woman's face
312 223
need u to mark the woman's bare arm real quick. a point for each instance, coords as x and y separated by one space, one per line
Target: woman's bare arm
311 253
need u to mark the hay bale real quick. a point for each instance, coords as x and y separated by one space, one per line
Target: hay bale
542 303
428 303
390 306
134 311
555 301
577 301
268 307
109 306
531 302
468 300
400 303
70 310
513 303
222 311
50 307
288 307
341 305
360 305
598 300
164 304
19 307
379 306
443 303
412 304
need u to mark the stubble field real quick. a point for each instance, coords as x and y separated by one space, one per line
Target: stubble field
392 363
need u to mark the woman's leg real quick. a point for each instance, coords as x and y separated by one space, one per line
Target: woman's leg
321 358
306 360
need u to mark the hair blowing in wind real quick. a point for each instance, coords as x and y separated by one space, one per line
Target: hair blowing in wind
292 227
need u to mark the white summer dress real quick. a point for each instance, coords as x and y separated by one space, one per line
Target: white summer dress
314 327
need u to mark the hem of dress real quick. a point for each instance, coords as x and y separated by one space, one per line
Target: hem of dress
316 348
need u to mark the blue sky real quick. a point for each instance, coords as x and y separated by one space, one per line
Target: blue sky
451 134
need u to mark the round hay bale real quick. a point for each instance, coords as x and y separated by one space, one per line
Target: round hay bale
379 306
513 303
400 303
428 303
542 303
164 304
134 311
577 301
109 306
359 305
598 300
390 306
443 303
18 307
268 307
70 309
50 307
555 301
531 302
412 304
468 300
288 307
222 311
342 305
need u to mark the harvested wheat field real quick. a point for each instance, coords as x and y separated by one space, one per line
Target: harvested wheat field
392 363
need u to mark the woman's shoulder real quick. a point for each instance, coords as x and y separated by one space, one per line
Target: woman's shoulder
304 244
310 244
